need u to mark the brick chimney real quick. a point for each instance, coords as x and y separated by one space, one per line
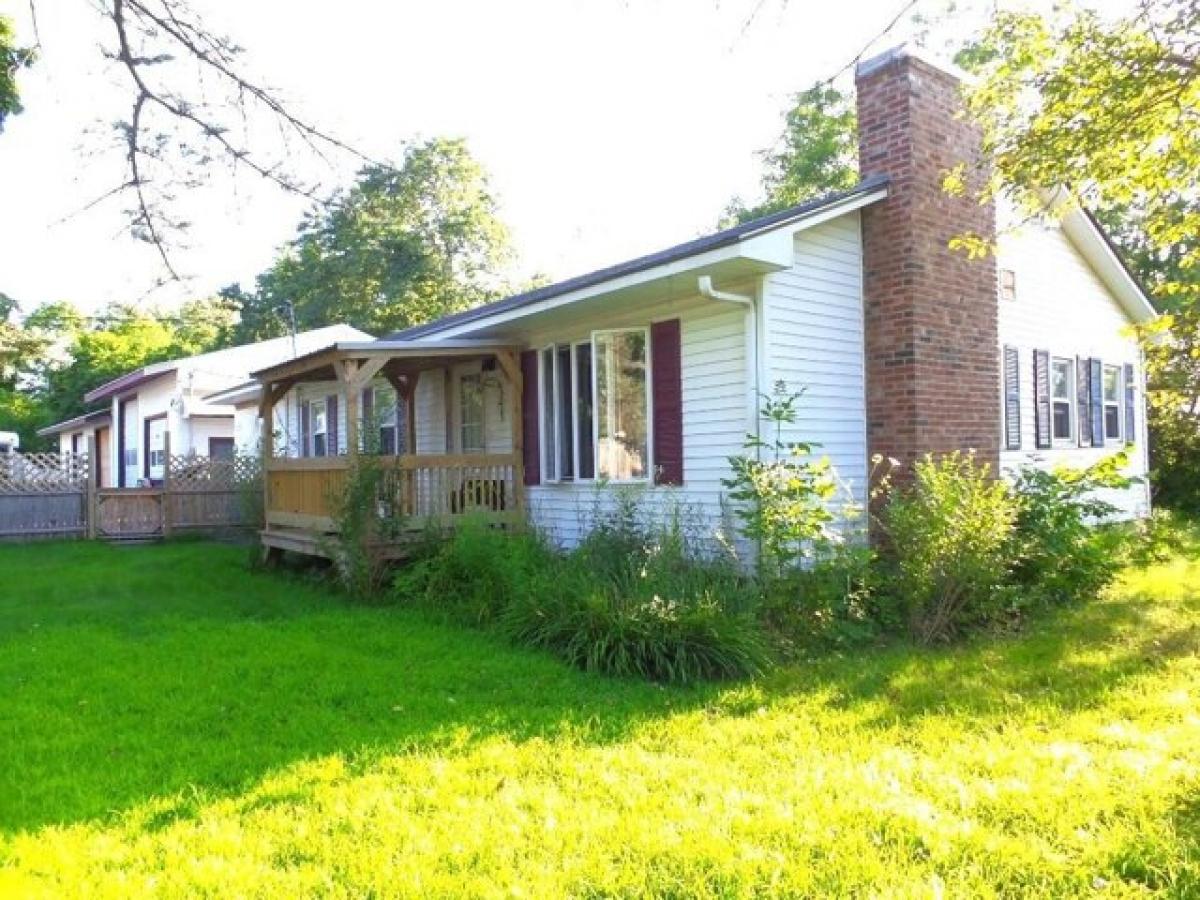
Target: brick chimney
932 347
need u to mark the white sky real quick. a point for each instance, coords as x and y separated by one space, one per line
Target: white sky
610 128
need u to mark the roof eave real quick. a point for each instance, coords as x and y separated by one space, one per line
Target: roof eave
767 247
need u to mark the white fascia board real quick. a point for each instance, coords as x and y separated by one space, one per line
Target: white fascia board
771 249
1083 233
243 393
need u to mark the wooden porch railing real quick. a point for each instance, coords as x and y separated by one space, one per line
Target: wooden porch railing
301 493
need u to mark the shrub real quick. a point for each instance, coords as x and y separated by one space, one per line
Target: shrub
950 534
471 575
836 603
363 520
780 492
1060 546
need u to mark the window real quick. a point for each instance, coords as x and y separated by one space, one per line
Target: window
564 419
549 432
622 404
1112 402
1008 284
470 409
583 411
221 448
319 425
1061 392
383 406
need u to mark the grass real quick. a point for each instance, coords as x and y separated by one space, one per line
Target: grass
173 725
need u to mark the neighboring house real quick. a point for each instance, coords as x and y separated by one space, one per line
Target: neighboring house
10 442
649 373
165 403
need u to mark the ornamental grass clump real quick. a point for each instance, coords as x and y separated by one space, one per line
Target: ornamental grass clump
660 614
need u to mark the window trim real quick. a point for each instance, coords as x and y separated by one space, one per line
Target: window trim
649 467
1116 403
1071 401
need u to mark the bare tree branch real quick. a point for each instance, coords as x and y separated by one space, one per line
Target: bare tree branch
150 36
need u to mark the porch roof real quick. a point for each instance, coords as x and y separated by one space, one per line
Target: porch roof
418 354
96 417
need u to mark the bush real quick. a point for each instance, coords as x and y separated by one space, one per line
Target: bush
1061 548
950 534
837 603
471 575
781 493
624 629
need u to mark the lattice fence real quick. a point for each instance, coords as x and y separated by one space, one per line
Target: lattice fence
43 494
202 493
202 473
30 473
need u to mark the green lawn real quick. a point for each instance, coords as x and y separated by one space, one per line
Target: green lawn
173 725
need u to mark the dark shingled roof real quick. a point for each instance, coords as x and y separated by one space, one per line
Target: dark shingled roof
671 254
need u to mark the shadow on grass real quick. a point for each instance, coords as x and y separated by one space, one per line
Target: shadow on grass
135 673
172 674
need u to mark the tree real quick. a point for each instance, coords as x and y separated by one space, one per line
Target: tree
12 60
401 247
192 106
819 154
1111 111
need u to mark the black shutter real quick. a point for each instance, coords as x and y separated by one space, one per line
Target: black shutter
666 390
1083 394
304 420
1041 397
1012 398
1097 404
1130 418
530 451
331 425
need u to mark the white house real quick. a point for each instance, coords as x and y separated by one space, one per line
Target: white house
166 401
648 373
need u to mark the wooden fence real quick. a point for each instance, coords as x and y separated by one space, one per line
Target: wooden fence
57 495
43 495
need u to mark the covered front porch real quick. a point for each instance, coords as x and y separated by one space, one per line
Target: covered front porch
446 441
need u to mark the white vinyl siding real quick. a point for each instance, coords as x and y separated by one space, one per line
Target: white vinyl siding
1061 306
815 334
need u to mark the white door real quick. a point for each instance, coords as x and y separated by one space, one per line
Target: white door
157 429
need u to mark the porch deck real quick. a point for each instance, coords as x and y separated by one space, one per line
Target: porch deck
416 491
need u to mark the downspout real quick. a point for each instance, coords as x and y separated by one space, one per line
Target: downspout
753 331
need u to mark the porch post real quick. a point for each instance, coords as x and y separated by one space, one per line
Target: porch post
510 362
410 413
165 496
266 409
90 508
